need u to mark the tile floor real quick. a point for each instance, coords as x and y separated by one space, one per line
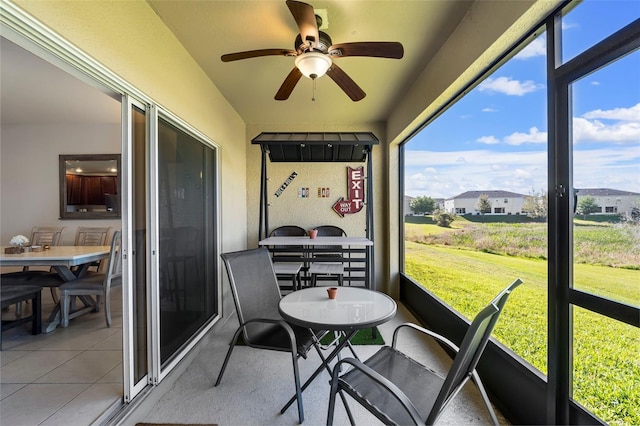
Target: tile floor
69 376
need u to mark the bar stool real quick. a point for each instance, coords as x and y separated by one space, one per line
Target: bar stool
326 269
289 270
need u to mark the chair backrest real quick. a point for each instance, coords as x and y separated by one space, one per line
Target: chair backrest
471 349
288 231
92 236
328 231
113 274
254 288
46 235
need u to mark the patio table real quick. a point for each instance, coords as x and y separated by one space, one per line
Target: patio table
353 309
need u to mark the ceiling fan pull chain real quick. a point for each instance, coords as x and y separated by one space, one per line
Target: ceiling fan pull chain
313 97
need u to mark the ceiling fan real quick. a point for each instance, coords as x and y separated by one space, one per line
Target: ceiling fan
314 54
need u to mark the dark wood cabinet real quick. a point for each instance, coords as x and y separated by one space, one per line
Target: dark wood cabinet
90 190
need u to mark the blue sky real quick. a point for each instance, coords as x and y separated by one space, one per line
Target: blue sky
496 136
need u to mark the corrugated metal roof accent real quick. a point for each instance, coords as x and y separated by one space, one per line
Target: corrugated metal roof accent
603 192
316 146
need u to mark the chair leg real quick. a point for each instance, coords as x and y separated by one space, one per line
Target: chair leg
485 397
107 308
226 359
296 378
64 305
332 400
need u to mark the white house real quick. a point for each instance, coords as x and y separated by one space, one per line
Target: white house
611 201
502 202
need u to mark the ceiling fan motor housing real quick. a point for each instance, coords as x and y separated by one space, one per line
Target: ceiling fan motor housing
323 44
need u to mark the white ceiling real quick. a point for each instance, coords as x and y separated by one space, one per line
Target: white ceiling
33 91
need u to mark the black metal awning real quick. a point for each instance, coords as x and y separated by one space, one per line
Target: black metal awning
317 147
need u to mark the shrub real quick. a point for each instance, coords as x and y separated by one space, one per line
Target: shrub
443 218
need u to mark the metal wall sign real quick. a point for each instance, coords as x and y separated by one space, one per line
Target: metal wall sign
286 183
355 186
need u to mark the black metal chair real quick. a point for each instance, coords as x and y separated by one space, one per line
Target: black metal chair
256 296
330 263
399 390
288 259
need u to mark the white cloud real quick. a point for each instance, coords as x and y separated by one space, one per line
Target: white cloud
489 140
489 110
595 83
509 86
482 169
534 136
597 131
537 47
625 114
518 171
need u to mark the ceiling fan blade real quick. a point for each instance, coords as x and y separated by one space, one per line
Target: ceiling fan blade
345 82
306 19
288 84
376 49
257 53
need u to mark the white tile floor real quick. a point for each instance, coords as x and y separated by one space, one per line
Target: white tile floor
69 376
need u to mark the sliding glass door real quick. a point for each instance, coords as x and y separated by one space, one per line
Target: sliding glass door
187 253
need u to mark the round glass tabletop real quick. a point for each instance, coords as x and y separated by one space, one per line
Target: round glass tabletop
353 308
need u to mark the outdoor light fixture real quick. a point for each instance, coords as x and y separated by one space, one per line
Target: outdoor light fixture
313 64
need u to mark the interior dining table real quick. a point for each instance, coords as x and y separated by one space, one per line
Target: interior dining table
62 259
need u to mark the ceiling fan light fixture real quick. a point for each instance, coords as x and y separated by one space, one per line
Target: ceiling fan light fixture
313 64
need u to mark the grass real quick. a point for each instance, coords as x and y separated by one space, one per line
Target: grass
466 266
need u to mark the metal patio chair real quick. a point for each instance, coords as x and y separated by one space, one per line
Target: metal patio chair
256 296
399 390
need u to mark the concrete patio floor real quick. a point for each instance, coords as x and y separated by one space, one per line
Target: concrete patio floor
257 383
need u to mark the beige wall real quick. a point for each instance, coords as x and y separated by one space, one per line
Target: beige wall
130 39
29 180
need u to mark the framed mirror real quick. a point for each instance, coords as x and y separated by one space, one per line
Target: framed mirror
90 186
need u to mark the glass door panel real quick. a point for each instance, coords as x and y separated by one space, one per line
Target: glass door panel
186 226
135 201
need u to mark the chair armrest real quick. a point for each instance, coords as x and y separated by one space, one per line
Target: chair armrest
426 331
282 323
382 381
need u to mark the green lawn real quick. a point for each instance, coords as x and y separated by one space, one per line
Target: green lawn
606 362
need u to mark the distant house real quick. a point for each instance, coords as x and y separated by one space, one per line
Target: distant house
502 202
611 201
408 211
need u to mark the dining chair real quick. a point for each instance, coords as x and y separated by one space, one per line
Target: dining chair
40 236
288 269
45 236
256 295
325 268
93 284
399 390
92 236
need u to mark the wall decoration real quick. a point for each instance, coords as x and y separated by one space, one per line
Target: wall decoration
303 193
286 183
323 192
355 186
